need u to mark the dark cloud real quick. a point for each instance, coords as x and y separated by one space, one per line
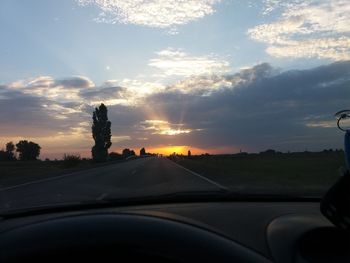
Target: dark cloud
76 82
257 72
27 115
271 110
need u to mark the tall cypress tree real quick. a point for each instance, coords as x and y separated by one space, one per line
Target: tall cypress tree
101 132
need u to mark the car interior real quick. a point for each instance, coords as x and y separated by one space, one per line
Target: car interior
191 231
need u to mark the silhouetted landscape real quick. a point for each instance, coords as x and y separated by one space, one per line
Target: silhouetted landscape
175 131
270 168
315 171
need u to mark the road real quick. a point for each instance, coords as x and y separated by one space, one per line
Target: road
136 178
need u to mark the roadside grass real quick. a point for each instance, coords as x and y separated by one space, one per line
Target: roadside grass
305 173
308 172
18 172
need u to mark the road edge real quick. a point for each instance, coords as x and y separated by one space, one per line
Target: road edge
201 176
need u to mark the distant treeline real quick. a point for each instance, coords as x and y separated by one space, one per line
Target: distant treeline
127 153
269 153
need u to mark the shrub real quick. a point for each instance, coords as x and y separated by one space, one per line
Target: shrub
71 160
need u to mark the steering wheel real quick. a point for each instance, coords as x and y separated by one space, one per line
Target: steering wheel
116 237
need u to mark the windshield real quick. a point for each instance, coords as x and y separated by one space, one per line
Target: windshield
110 100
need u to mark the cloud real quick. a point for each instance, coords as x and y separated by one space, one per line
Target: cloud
170 64
44 106
319 29
254 109
116 139
127 92
207 84
152 13
75 82
270 6
63 90
162 127
330 48
109 95
290 110
23 114
176 62
201 84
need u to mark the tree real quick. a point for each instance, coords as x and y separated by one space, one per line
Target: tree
28 150
127 152
9 153
189 153
142 151
101 132
10 150
71 160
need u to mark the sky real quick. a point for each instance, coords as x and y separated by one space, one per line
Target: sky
216 76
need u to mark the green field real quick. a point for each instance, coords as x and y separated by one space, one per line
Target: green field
304 173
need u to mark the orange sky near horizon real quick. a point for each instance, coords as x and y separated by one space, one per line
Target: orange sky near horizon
164 150
55 148
183 149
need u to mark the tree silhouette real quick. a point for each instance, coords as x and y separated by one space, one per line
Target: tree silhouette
27 150
10 150
101 132
127 152
142 151
189 153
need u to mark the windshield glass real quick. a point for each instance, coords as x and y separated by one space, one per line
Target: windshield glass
106 100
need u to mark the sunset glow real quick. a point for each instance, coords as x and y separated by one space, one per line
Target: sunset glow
210 76
183 149
168 150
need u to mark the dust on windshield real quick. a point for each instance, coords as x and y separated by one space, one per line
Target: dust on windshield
104 100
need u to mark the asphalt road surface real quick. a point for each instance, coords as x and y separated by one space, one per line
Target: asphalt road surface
136 178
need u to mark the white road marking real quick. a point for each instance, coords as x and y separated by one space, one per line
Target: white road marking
101 197
202 177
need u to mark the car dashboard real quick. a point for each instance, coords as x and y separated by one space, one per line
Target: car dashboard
260 231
